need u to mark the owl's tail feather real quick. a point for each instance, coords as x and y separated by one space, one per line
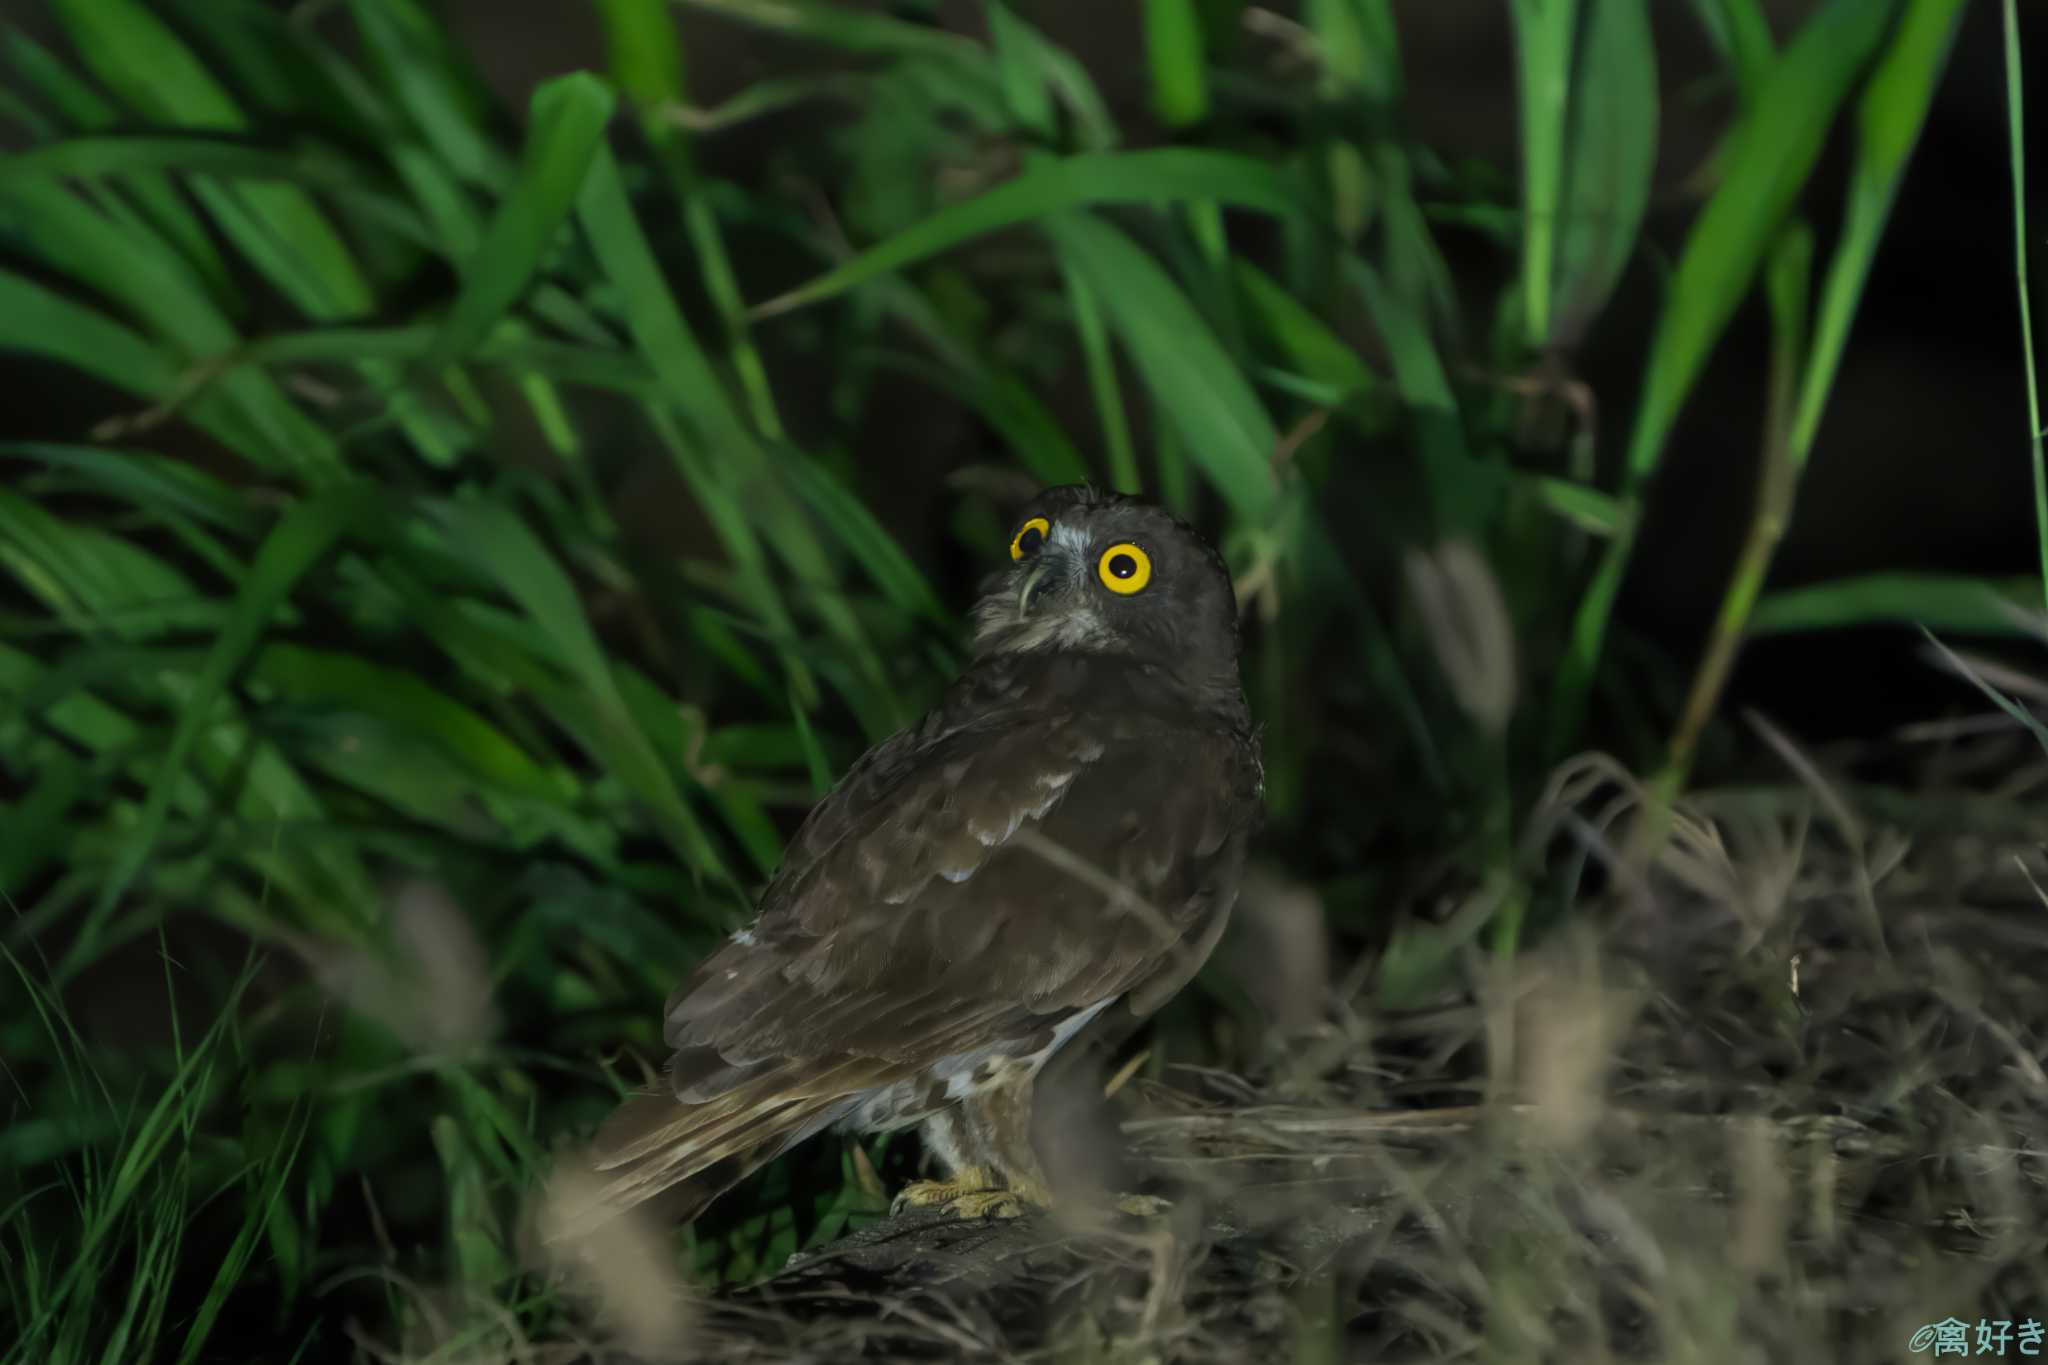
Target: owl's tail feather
656 1145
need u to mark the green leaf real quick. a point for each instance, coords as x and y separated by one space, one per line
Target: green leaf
142 61
1772 154
1945 602
1103 381
513 557
1461 489
168 486
652 315
304 534
1609 163
1889 118
96 581
568 123
413 52
1034 72
1052 186
430 717
1543 60
33 319
1307 342
1741 32
276 226
1360 49
1180 71
855 527
83 108
37 824
1018 68
191 153
2016 156
1588 509
645 55
132 267
1191 377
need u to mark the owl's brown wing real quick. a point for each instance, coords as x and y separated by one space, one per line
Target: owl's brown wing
981 889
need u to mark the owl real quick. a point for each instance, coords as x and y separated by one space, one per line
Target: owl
1061 836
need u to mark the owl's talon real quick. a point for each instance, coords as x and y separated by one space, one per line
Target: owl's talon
921 1194
1143 1205
987 1204
971 1193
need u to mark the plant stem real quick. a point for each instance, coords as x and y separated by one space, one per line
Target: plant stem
2013 110
1777 485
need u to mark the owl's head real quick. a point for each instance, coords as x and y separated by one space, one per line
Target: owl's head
1103 573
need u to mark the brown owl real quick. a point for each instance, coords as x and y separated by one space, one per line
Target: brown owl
1061 836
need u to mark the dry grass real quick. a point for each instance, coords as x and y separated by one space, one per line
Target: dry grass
1717 1119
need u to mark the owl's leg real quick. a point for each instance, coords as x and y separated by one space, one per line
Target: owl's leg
985 1142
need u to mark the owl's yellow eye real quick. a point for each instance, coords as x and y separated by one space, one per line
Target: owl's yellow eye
1030 536
1124 569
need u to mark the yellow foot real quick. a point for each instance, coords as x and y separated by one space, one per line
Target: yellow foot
1143 1205
987 1204
920 1194
971 1193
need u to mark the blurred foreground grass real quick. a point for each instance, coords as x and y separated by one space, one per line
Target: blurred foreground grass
376 757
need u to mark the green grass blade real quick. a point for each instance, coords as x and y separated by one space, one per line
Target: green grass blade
1461 492
37 321
568 123
84 109
1544 32
1179 68
302 536
688 382
1017 67
1305 340
1610 158
657 324
1035 73
1160 176
644 54
1889 119
511 556
1773 152
1590 510
193 153
1191 377
1946 602
1103 381
855 527
646 58
137 56
2016 134
277 226
132 267
1360 47
304 675
1741 32
412 51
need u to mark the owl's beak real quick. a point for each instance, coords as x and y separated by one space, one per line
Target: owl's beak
1032 581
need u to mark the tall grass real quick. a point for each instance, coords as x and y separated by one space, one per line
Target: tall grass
346 587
